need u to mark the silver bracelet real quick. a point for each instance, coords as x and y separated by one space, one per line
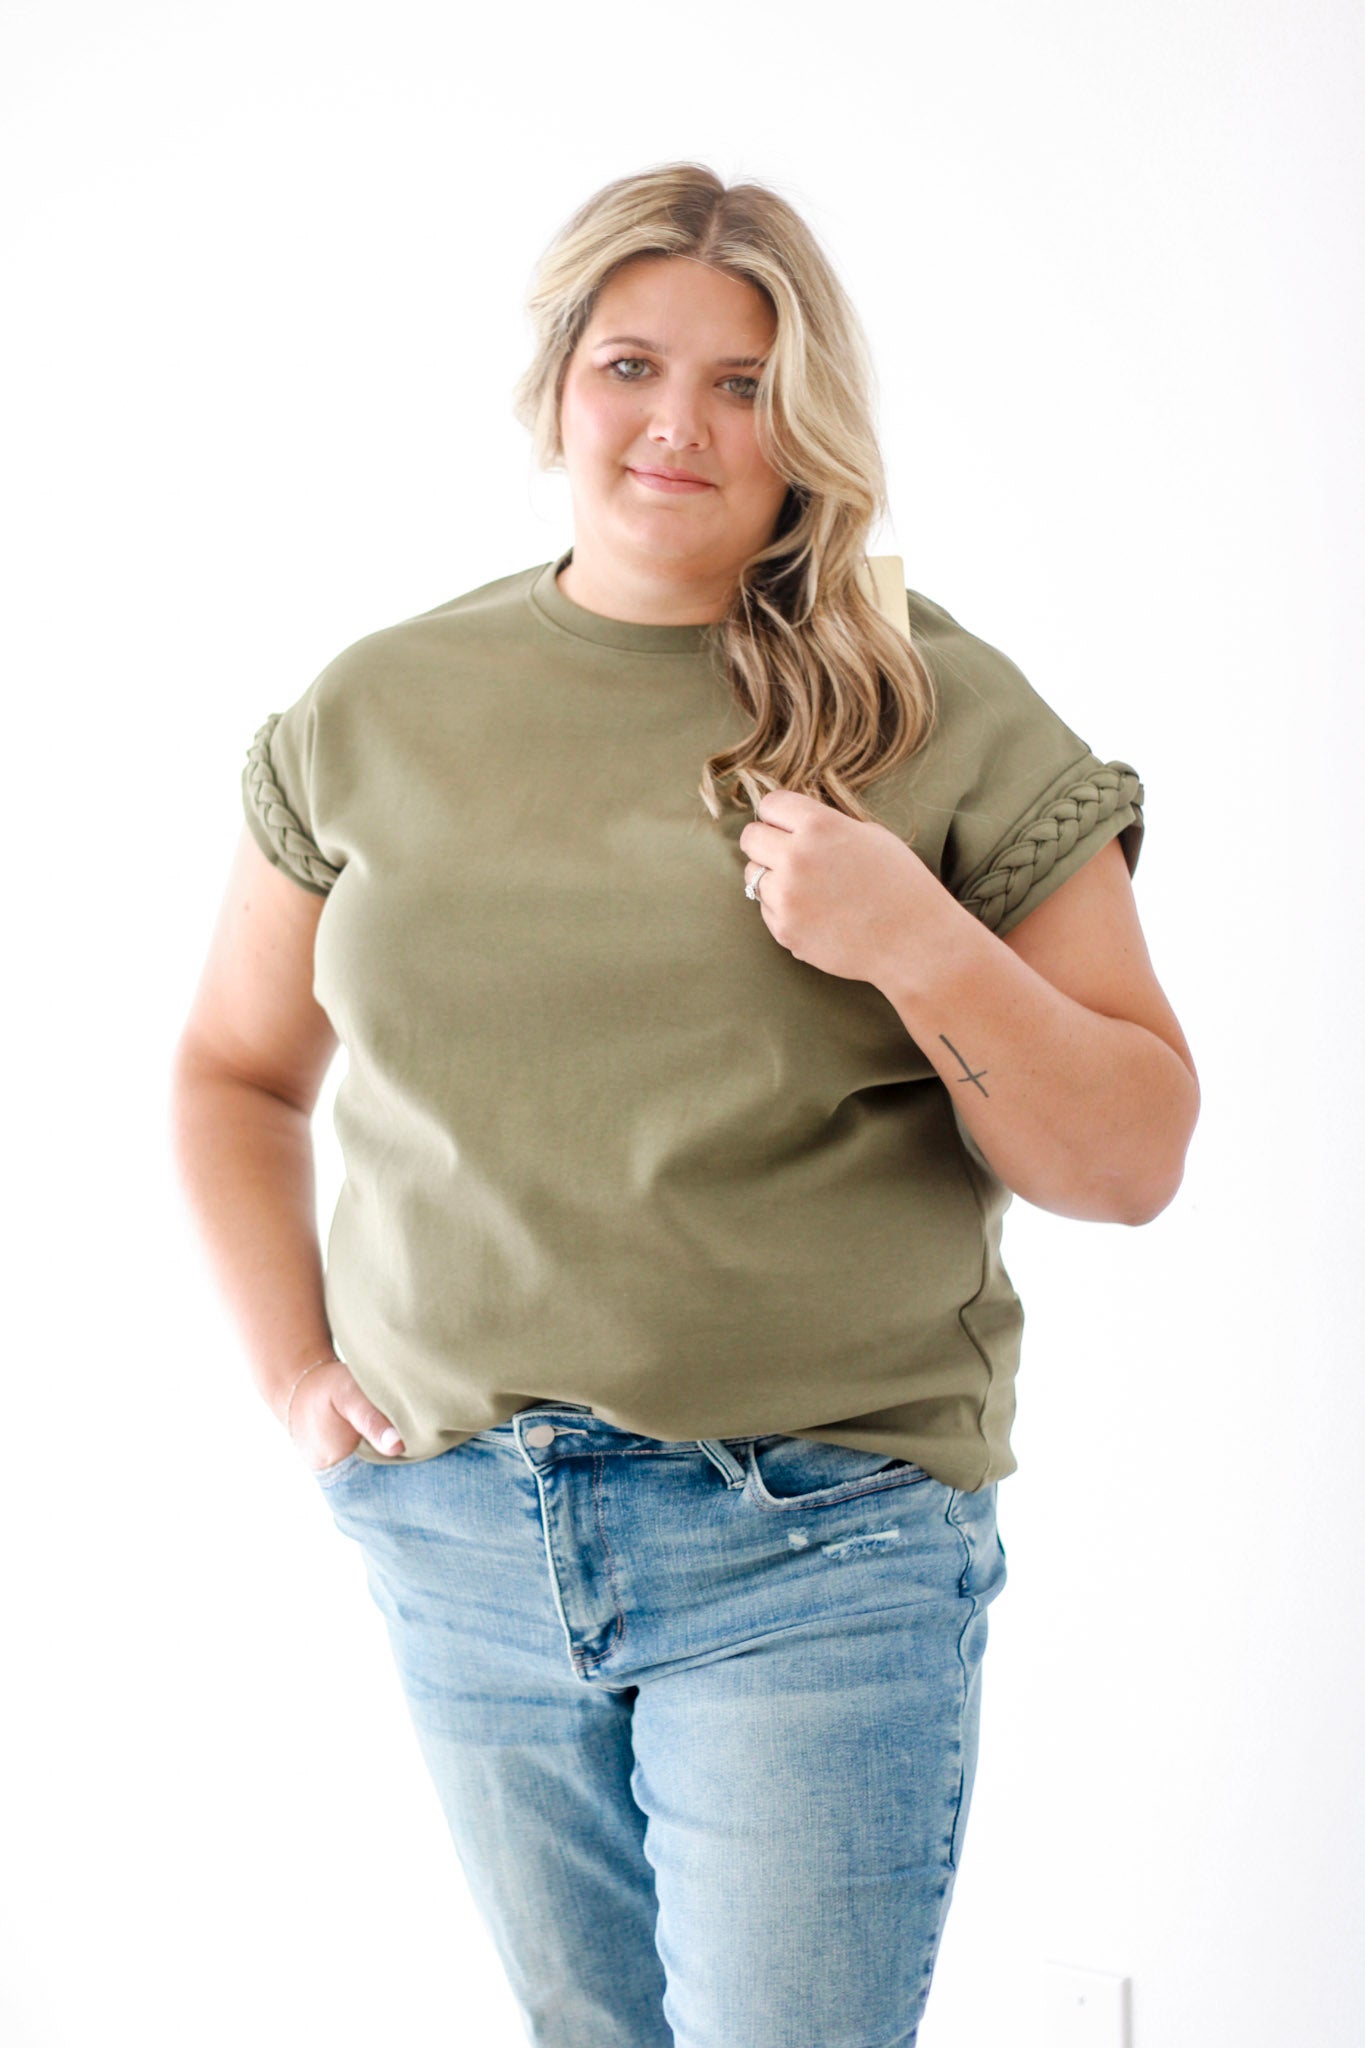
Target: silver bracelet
288 1406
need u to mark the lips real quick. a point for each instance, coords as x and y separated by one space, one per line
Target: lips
675 476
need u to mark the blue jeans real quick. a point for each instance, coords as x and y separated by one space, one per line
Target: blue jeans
702 1718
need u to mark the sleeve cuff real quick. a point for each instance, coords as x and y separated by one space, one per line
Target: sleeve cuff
276 828
1098 805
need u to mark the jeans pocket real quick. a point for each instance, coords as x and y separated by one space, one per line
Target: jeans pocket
343 1468
805 1472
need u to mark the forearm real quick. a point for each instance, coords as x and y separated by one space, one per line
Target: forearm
1085 1115
245 1159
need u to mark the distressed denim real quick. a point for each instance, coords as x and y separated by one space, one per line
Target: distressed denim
702 1718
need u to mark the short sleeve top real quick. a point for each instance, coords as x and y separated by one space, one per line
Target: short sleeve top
605 1141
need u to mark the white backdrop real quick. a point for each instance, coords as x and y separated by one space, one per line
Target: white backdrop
265 268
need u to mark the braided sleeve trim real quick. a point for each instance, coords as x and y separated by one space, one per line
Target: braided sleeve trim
1049 838
297 850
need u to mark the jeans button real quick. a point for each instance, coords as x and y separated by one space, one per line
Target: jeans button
543 1433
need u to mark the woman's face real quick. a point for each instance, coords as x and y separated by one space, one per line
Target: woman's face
663 378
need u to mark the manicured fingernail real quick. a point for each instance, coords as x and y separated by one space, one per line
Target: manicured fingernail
390 1441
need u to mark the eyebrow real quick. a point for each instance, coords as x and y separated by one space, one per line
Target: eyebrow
722 362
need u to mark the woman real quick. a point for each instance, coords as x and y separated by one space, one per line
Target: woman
663 1363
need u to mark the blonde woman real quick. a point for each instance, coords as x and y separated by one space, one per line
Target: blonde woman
716 950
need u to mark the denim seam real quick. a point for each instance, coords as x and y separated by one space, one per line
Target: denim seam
620 1627
973 1605
833 1496
325 1474
684 1448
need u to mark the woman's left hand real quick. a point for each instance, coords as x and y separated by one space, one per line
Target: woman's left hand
842 894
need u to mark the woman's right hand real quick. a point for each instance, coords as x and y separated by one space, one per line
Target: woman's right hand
331 1415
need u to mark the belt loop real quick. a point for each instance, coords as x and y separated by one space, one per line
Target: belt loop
723 1459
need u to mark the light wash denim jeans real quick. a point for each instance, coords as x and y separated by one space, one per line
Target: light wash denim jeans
702 1718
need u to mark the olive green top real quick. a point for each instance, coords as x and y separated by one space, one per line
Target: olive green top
605 1140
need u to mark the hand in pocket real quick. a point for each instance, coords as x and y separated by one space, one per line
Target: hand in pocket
331 1415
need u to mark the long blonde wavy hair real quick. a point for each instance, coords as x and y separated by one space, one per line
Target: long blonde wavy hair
836 694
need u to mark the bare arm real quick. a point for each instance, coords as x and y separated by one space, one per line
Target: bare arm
246 1076
1063 1056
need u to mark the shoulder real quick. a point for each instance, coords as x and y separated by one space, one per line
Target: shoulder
351 727
1006 799
984 698
377 665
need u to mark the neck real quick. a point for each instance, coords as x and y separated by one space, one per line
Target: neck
645 599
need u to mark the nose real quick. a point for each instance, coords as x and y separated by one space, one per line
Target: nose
678 420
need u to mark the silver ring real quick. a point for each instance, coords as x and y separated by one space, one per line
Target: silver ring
751 888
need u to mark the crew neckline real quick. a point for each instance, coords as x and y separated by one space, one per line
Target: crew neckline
559 609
